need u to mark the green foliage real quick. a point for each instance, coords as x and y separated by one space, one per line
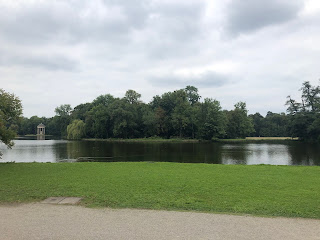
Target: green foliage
80 111
181 114
63 110
149 122
239 124
192 94
10 115
29 126
211 120
76 129
124 116
304 116
132 96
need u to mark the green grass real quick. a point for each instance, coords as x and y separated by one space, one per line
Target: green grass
150 139
265 190
257 139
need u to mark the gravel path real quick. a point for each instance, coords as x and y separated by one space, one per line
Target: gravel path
46 221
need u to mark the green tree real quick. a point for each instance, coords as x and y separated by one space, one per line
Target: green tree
239 125
149 121
211 120
124 117
181 112
100 121
62 118
63 110
80 111
310 97
257 120
274 125
76 129
104 100
10 115
192 94
304 116
132 96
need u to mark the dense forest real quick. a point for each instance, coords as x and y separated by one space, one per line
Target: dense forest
182 114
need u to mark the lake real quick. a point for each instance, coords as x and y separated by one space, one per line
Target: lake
284 153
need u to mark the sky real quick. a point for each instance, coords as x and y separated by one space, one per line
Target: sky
72 51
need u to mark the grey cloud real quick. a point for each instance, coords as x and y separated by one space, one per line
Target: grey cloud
51 63
136 11
251 15
180 22
208 79
69 22
154 29
175 30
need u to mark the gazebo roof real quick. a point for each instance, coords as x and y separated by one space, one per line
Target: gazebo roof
41 125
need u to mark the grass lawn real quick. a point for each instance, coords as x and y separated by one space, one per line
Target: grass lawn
288 191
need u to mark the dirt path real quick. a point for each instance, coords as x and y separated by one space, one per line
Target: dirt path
45 221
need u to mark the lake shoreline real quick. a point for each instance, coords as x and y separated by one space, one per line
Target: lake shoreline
182 140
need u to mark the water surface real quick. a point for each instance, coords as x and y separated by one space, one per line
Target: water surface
286 153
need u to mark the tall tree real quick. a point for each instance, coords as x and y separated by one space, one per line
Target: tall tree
76 129
211 120
63 110
257 120
239 125
62 118
10 115
192 94
132 96
304 116
181 112
310 97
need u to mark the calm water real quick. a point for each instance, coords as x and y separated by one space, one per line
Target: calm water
286 153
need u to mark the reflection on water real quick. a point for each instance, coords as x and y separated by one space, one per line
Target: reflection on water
286 153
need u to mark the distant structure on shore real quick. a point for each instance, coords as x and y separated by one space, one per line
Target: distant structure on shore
41 131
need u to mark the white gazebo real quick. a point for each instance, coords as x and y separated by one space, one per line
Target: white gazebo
41 129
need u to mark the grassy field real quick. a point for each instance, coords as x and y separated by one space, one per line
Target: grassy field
151 139
259 190
258 139
270 138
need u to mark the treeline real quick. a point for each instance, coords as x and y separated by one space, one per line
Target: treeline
181 114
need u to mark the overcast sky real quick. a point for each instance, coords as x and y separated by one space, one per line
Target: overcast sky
70 52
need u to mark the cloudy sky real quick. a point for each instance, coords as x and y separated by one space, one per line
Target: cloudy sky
70 52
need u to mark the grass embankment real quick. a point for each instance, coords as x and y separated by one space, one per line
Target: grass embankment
258 140
183 140
151 139
260 190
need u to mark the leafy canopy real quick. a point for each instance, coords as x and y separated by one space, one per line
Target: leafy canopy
10 115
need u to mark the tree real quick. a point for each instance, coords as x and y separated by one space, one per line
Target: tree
132 96
124 118
63 110
211 120
100 121
239 125
104 100
79 112
76 129
304 116
192 94
181 112
310 97
10 115
62 118
257 120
